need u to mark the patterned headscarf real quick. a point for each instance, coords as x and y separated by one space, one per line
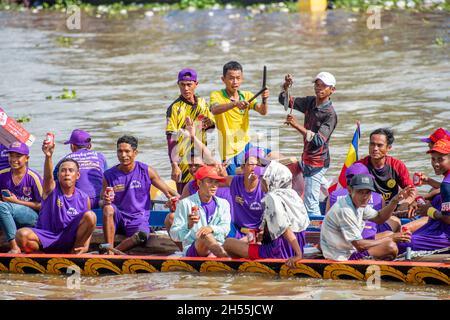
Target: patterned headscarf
283 207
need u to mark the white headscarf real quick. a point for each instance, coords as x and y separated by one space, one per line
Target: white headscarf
283 207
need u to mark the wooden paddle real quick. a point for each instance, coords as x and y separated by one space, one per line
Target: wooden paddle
264 87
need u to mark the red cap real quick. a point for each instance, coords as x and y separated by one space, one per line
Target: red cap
208 172
441 146
439 134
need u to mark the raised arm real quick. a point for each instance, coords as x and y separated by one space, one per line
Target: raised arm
49 181
160 184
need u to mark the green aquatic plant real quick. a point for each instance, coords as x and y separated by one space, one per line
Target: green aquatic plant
66 94
440 42
64 41
199 4
23 119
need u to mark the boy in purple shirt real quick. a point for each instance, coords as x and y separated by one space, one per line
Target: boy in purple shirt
246 193
92 165
21 193
65 222
128 211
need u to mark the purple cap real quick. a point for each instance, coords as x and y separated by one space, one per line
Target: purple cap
356 168
439 134
18 147
79 138
187 74
258 153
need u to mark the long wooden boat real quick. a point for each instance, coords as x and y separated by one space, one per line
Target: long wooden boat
157 255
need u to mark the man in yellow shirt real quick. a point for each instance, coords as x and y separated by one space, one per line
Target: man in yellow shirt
187 105
231 108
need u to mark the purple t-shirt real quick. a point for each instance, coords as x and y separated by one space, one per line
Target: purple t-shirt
209 208
59 210
132 189
222 192
29 188
249 213
376 201
280 248
4 163
92 165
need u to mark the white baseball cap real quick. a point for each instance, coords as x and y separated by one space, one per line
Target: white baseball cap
326 78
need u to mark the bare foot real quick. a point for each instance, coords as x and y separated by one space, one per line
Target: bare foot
79 250
15 251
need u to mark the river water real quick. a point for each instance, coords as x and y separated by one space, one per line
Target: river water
124 73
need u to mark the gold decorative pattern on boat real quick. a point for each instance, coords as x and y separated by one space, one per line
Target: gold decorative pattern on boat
92 266
176 265
417 275
300 268
54 265
334 271
3 268
257 267
215 266
17 265
133 265
386 271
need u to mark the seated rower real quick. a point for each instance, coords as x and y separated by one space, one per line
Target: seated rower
283 223
21 194
65 222
202 220
341 232
376 201
435 234
128 211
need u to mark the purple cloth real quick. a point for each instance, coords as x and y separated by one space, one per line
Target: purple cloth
359 255
59 219
29 188
249 214
127 225
376 201
281 248
192 251
92 165
132 190
436 202
383 227
370 230
210 209
4 163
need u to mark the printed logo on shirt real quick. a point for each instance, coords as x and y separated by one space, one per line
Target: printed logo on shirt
26 191
255 206
119 187
135 184
23 198
386 196
59 203
72 212
445 207
391 183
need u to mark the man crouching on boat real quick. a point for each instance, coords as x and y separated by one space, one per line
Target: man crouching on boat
341 232
202 220
65 222
127 212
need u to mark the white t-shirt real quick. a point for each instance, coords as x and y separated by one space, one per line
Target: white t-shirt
342 225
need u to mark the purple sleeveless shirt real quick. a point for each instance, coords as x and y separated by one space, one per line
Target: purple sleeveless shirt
59 210
132 189
29 188
249 214
376 201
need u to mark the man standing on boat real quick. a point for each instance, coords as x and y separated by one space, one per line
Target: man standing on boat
128 210
21 194
187 105
65 222
320 122
231 110
92 165
390 174
202 220
435 234
341 232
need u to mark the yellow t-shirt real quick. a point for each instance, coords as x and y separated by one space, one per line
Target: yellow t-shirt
176 115
232 125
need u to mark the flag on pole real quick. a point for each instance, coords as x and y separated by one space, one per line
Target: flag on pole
352 156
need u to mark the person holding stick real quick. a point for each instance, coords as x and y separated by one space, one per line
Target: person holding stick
320 122
231 107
